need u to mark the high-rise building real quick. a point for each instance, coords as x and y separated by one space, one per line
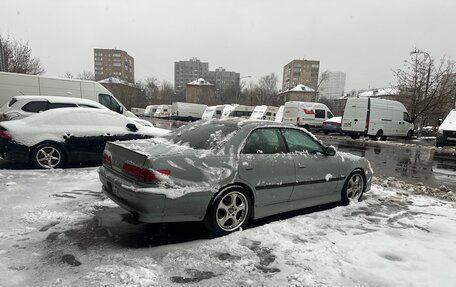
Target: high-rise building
188 71
113 63
303 72
223 80
332 85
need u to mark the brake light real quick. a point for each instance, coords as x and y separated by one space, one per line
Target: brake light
5 135
106 158
143 173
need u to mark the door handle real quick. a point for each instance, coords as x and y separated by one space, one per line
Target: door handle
107 134
249 168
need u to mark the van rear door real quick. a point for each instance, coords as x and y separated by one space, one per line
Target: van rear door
355 115
290 115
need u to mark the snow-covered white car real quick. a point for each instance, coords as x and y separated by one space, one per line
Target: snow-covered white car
20 107
52 138
446 134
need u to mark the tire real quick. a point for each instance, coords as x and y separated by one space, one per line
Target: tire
354 187
47 156
378 136
234 199
326 132
190 119
354 136
409 135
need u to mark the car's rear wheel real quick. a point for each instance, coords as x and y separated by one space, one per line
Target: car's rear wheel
354 187
378 136
354 136
230 211
409 135
48 156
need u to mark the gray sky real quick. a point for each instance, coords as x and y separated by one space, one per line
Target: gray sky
365 38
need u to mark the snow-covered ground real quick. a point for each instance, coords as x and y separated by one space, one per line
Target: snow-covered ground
57 229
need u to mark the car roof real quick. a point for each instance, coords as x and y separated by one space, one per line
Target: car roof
58 99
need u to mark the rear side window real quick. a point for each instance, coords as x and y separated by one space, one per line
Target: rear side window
61 105
320 114
35 106
265 141
218 112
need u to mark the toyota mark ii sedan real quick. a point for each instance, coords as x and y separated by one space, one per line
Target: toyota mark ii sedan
227 172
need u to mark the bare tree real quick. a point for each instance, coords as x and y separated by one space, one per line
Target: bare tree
267 89
86 75
18 57
427 88
166 93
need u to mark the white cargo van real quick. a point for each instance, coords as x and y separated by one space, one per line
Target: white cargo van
446 134
279 115
162 112
237 111
187 111
213 112
150 110
376 118
138 111
267 113
309 115
12 84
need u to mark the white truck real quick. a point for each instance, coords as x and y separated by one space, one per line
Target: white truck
264 112
213 112
376 118
309 115
12 84
237 111
162 112
150 110
187 111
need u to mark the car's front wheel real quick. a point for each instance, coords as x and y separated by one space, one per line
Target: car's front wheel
354 187
230 211
48 156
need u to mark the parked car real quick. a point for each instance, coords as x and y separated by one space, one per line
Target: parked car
446 134
309 115
264 113
227 172
55 137
23 106
332 125
376 118
187 111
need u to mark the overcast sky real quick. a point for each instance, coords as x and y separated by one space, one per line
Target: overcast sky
367 39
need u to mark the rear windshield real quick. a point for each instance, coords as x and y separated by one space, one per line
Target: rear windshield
202 136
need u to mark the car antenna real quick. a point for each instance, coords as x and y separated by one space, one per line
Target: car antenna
20 92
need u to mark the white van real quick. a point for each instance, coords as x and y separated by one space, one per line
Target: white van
376 118
237 111
213 112
187 111
12 84
150 110
446 134
279 115
162 112
306 114
138 111
264 112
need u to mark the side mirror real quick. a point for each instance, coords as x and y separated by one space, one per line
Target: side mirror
330 150
439 122
132 127
120 110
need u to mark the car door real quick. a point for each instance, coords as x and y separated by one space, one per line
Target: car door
266 166
317 174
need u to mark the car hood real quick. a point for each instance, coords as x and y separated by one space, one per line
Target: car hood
448 126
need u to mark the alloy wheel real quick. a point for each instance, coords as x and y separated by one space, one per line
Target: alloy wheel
232 211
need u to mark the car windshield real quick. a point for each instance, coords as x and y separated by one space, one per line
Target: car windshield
202 136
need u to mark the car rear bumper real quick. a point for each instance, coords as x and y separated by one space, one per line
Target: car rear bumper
151 207
14 152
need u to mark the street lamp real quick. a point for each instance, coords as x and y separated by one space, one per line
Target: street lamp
429 68
239 88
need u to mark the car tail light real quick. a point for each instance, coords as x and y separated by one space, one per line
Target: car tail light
106 158
4 135
366 126
143 173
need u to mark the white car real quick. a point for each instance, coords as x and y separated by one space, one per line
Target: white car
20 107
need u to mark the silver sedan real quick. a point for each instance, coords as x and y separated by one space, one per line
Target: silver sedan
227 172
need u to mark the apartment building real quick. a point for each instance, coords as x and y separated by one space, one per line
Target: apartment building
332 85
303 72
188 71
113 63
